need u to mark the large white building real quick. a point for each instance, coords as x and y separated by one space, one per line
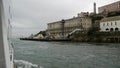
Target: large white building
56 29
110 24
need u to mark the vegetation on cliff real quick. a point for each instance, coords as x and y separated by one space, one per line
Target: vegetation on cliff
93 35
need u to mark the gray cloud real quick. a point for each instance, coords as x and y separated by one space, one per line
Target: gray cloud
31 16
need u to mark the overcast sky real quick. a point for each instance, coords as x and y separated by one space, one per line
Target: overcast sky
32 16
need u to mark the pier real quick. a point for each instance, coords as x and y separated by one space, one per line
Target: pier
31 39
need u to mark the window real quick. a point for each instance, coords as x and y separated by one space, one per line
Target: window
111 23
115 23
107 24
111 29
116 29
107 29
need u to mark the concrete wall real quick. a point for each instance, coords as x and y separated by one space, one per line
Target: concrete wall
110 7
55 28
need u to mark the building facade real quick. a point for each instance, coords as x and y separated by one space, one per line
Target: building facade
110 7
110 24
56 29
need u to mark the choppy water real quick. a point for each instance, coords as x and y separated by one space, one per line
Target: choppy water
68 54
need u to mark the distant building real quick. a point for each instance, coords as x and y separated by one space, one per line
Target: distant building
110 24
110 7
56 29
83 14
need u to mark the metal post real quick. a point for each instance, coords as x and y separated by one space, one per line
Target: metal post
63 21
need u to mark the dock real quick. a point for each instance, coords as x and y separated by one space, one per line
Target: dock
32 39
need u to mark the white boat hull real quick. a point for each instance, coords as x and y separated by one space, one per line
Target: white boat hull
6 50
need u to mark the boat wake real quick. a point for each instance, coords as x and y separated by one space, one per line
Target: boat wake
25 64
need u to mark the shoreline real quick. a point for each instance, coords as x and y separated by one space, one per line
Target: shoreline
87 40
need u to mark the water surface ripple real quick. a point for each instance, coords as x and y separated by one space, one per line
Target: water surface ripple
68 54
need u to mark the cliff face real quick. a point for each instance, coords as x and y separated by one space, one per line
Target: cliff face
40 35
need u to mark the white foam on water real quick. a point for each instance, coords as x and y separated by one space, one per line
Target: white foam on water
43 47
25 64
87 57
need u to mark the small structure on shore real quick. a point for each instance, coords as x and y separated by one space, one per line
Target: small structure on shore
110 24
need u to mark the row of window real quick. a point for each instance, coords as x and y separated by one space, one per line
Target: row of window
109 24
112 29
69 25
112 7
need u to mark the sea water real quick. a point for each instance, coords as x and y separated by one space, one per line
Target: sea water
68 54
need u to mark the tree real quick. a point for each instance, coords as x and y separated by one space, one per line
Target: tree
93 30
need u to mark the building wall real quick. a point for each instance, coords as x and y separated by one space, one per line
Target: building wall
71 24
55 28
86 23
108 25
110 7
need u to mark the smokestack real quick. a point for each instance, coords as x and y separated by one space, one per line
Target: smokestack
94 7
